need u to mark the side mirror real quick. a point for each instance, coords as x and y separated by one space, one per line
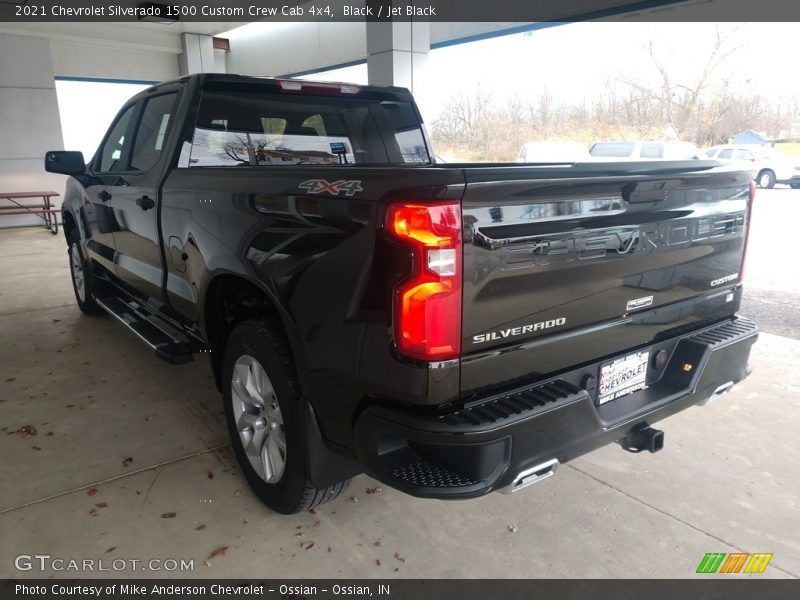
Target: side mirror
65 162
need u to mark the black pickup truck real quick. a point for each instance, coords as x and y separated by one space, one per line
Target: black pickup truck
449 329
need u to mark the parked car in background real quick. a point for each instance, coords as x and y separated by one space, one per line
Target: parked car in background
649 150
770 166
538 152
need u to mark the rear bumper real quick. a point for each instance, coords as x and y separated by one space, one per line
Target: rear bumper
483 446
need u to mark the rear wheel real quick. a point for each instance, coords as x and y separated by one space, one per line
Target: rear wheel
84 283
262 395
766 179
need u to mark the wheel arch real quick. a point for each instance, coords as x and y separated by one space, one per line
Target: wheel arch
230 299
68 223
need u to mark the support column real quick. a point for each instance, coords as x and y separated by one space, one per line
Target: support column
29 120
397 53
198 54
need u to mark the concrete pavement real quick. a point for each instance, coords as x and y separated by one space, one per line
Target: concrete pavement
123 440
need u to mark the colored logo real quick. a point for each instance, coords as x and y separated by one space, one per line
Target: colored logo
322 186
736 562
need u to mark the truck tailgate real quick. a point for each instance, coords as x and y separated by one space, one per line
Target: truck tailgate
567 258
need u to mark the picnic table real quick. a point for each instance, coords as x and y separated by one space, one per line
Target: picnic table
44 211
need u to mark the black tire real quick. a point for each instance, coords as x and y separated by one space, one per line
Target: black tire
766 179
293 492
86 300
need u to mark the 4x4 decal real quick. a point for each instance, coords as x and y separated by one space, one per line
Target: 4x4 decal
323 186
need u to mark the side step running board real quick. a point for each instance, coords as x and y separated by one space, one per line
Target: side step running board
137 318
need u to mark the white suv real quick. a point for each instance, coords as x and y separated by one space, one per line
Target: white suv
770 166
646 150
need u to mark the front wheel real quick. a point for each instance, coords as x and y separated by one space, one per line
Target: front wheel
262 395
766 179
83 281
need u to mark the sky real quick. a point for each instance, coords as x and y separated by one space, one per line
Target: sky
571 62
578 60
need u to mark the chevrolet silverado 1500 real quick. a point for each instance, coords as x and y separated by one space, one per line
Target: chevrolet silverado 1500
449 329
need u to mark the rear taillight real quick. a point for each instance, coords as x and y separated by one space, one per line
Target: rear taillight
427 306
748 225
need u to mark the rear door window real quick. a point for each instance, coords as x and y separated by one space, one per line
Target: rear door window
272 129
152 132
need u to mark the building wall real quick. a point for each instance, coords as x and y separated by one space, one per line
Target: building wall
276 51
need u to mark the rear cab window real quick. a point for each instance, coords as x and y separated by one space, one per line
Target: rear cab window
254 128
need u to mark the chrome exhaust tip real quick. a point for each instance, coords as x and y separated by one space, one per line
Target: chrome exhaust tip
717 393
533 475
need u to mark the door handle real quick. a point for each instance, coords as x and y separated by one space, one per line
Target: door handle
104 196
145 203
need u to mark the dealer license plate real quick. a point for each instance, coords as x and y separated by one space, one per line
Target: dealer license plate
623 376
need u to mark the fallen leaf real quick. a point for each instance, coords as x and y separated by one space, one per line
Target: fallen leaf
378 561
11 379
127 461
398 557
110 550
354 499
92 492
210 475
149 418
299 527
169 515
308 546
329 548
298 534
313 511
207 563
377 543
36 447
101 505
513 528
199 527
221 551
374 490
94 512
396 569
56 320
315 525
237 493
49 433
26 431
